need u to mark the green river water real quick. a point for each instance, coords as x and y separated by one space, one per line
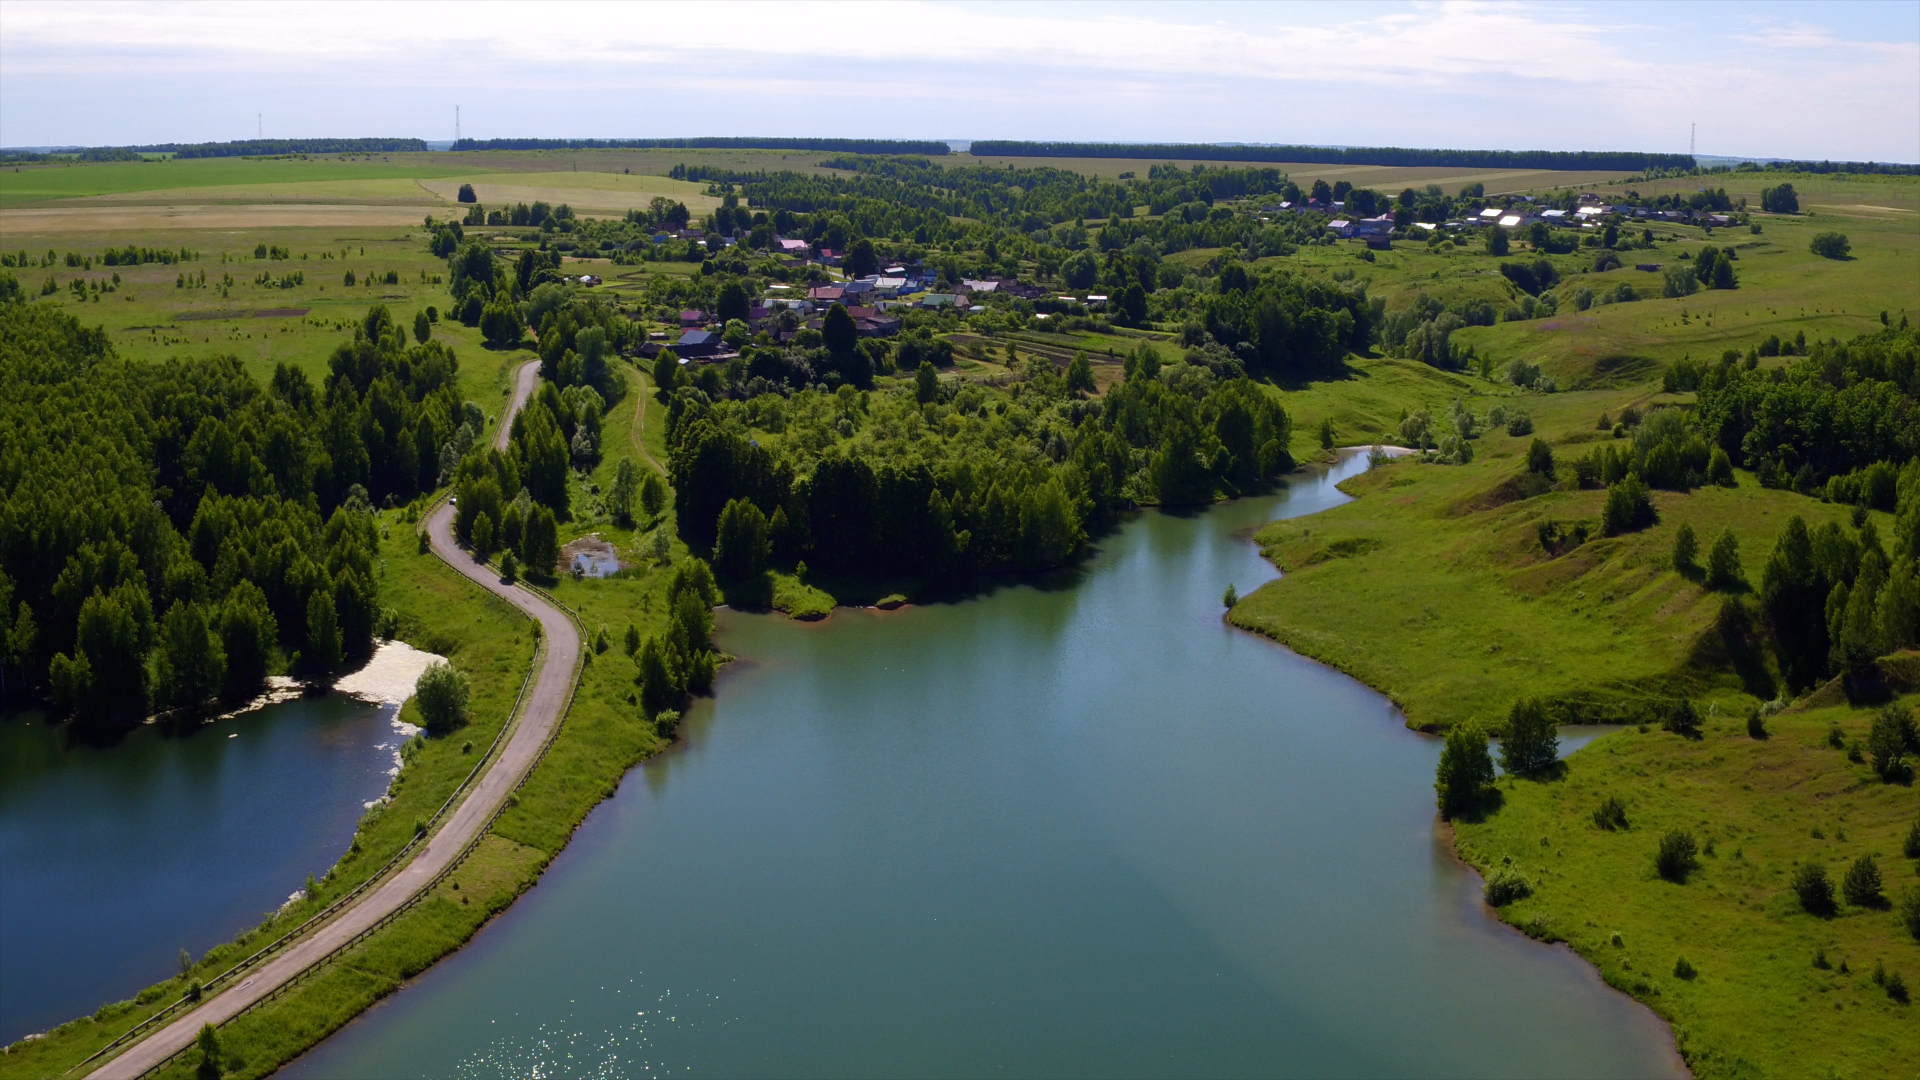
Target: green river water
1075 828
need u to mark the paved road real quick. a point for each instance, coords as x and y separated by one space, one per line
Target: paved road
541 713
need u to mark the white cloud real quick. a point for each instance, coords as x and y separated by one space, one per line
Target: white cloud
1456 74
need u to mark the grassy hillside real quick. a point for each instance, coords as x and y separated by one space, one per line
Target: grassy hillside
1776 991
1434 586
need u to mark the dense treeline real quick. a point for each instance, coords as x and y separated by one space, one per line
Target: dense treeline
171 533
1840 409
850 146
1339 155
939 483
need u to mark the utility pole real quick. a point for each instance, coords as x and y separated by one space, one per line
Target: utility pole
456 123
1692 129
259 126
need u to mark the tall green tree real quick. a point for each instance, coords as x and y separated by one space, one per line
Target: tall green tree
1532 739
1465 771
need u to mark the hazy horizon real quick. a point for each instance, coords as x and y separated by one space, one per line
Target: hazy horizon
1786 80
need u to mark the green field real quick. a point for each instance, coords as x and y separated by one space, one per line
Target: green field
40 183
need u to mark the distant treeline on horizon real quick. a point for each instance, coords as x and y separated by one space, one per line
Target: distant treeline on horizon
1342 155
934 147
242 148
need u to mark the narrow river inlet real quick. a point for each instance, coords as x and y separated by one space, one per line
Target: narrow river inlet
1077 828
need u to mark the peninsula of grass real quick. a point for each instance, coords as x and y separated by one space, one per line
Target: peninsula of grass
1774 990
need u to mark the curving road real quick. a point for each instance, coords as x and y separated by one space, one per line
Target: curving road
538 718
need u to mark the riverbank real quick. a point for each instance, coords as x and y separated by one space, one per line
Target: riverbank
1433 588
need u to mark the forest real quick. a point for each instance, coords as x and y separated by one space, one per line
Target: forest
172 533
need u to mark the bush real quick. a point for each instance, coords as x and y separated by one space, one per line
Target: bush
1896 987
1611 814
1723 563
1682 718
1540 458
1911 848
1507 885
1862 883
1815 892
1679 280
1629 507
1676 857
1830 245
1720 468
1756 725
1888 741
1910 912
1683 970
1686 547
441 696
1519 424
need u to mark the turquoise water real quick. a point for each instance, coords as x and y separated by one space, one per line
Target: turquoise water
113 858
1076 828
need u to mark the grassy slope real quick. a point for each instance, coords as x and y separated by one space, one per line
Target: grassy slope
1759 1006
1445 600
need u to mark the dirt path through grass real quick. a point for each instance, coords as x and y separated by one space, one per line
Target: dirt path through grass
638 435
540 716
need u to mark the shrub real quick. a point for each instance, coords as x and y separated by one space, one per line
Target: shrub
1723 562
1862 883
1720 468
1629 507
1888 741
1682 718
1910 911
1532 739
1911 848
1611 814
1465 771
666 721
1896 987
1675 858
1519 424
1686 547
1679 280
1540 459
1683 970
1815 892
1756 724
1507 885
441 696
1830 245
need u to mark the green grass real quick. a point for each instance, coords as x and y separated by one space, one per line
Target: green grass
149 317
41 183
1758 1005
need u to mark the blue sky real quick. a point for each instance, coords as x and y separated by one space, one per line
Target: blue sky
1833 80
